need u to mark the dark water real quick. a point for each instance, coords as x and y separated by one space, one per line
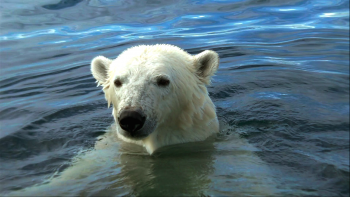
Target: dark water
282 86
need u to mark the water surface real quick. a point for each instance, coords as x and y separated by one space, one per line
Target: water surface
282 94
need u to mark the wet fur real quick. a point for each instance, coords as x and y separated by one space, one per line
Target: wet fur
182 112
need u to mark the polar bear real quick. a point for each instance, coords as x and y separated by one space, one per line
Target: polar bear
159 98
159 94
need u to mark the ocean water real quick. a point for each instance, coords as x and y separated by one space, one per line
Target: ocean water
281 91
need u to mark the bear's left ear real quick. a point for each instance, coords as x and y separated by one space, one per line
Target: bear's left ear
206 65
99 69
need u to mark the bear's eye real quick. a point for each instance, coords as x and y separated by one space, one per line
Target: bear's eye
163 82
118 83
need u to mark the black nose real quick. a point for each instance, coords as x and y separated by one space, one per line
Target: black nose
131 120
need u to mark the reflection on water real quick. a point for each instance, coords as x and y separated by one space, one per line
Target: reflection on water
62 4
189 169
282 91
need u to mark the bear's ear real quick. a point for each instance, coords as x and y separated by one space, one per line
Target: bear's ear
99 68
207 63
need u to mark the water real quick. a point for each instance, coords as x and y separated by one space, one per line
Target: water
282 96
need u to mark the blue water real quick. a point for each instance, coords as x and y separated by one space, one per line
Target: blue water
282 85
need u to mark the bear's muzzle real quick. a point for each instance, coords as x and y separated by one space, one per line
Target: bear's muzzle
131 120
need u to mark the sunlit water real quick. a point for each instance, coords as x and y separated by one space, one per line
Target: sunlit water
282 96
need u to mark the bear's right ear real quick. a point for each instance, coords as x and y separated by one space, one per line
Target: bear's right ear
99 69
207 63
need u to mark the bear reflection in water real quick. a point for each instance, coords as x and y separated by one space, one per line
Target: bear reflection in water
219 165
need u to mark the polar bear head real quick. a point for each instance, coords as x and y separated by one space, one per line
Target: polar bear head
158 94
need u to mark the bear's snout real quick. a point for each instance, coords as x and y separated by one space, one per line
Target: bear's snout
132 120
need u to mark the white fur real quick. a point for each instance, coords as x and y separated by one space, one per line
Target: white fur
181 112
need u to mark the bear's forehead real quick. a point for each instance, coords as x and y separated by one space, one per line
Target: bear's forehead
145 60
144 65
157 54
136 69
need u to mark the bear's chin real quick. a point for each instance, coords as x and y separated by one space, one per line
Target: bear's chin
138 135
134 137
